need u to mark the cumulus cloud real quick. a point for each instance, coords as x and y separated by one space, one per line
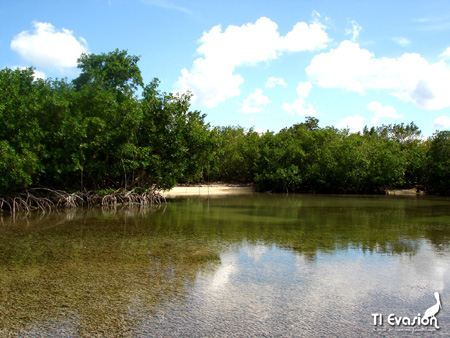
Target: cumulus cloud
442 122
410 77
46 46
299 106
275 81
212 77
255 102
402 41
381 111
355 123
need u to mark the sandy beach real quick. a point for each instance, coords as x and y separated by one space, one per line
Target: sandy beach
218 189
205 190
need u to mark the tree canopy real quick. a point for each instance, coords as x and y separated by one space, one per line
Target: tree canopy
95 132
107 129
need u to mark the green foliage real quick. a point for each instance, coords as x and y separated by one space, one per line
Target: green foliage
306 157
16 170
235 153
116 71
438 164
280 162
97 133
20 133
174 141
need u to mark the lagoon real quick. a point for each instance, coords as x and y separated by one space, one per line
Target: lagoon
257 265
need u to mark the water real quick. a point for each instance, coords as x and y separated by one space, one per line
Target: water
250 266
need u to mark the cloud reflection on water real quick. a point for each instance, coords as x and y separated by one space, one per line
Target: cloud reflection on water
333 294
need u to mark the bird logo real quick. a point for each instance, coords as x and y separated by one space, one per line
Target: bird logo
433 310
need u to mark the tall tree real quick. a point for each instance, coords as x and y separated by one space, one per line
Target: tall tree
115 71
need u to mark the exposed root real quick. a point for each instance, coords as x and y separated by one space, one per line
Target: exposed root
26 201
45 199
133 198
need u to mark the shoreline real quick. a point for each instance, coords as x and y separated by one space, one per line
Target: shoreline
205 190
225 189
47 199
404 192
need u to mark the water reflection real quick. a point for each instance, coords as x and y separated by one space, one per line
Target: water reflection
269 291
265 265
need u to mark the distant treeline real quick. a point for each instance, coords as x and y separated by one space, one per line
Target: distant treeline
307 158
107 130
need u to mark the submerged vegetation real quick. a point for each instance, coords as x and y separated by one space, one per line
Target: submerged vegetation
108 131
89 274
108 271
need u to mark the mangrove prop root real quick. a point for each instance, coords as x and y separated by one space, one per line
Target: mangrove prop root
45 199
133 198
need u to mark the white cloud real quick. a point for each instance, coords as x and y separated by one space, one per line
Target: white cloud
442 122
446 53
49 47
381 111
211 77
354 31
402 41
347 67
303 89
304 37
39 75
255 102
355 123
410 77
299 106
275 81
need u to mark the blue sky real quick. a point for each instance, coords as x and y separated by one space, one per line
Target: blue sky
261 64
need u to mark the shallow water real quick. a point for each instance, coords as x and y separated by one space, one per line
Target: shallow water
252 266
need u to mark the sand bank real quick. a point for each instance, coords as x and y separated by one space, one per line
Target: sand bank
205 190
217 189
404 192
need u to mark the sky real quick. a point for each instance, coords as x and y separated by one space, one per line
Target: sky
258 64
